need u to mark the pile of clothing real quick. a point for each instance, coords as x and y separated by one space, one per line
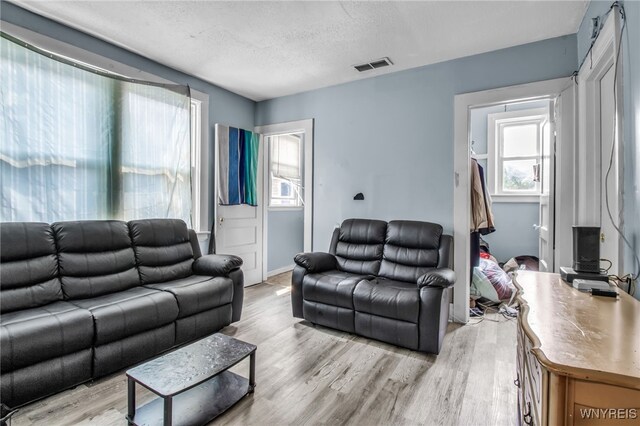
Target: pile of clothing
492 282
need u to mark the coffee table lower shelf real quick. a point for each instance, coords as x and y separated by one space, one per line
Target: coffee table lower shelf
198 405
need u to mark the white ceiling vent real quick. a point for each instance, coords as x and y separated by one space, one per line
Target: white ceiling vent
378 63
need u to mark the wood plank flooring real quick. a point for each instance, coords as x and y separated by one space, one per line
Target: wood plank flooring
314 375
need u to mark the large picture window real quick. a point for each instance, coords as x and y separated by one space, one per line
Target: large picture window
77 144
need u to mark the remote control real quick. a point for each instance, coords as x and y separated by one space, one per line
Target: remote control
605 293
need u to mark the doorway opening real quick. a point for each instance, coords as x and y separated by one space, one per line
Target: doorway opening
555 206
510 143
288 193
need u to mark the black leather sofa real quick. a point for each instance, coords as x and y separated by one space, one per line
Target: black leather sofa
386 281
80 300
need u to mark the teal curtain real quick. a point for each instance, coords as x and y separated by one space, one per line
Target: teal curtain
77 144
252 145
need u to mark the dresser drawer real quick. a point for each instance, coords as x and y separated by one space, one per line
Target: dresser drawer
538 376
528 409
537 380
592 403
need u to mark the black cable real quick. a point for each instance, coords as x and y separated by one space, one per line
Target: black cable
606 270
614 4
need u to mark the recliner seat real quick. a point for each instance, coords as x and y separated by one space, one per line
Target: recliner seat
386 281
45 342
83 299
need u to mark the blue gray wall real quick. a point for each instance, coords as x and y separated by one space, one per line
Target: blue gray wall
224 107
631 123
391 137
285 237
514 234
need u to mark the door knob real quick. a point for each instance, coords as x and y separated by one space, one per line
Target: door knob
221 219
602 237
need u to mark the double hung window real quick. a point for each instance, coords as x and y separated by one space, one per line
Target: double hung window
515 141
83 144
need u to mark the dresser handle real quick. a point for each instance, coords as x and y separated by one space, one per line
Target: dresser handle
528 414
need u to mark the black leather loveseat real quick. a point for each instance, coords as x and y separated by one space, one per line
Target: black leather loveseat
387 281
83 299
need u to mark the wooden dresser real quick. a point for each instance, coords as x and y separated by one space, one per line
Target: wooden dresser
578 355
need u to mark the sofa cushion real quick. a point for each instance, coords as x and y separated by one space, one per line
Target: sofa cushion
95 258
333 288
388 298
125 313
163 249
359 246
396 332
53 375
329 316
33 335
198 293
410 250
28 266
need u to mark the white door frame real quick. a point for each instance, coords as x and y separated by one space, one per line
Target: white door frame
462 179
300 126
564 202
601 58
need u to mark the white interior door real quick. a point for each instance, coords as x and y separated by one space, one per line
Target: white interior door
609 241
547 212
238 228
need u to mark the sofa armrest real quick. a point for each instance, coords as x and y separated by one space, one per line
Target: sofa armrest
440 277
316 262
216 264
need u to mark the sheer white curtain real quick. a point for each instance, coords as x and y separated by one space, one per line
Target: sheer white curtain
156 155
78 145
55 138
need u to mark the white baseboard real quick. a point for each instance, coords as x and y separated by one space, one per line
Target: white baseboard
280 271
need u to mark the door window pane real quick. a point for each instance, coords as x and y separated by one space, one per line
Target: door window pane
286 170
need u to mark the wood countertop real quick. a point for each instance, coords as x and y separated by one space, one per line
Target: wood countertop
578 335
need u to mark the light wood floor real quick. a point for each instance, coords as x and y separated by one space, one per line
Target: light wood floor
315 375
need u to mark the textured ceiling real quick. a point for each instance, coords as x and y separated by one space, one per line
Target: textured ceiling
267 49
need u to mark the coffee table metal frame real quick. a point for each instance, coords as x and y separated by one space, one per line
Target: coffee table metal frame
168 399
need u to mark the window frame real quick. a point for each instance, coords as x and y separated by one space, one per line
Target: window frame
496 123
299 200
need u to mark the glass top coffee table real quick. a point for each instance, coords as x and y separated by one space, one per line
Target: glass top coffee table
193 383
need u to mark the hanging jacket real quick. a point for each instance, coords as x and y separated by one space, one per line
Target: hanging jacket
481 215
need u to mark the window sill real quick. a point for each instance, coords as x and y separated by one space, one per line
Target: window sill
507 198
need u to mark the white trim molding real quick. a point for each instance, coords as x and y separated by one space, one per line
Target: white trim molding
589 157
280 271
